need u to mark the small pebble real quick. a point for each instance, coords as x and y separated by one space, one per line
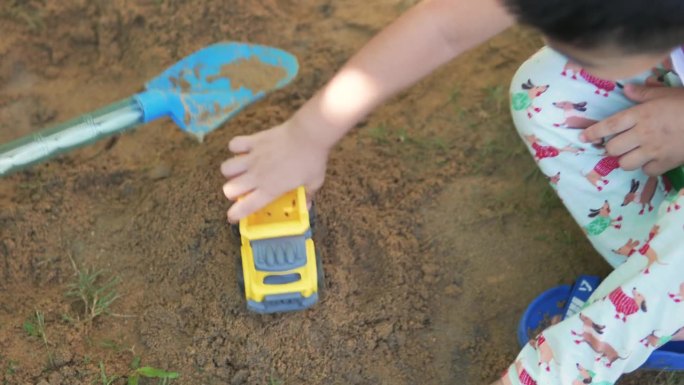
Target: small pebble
160 171
430 269
55 378
384 330
240 377
453 290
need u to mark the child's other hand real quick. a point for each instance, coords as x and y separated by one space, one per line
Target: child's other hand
271 163
649 135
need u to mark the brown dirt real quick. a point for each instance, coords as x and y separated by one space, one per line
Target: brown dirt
433 226
250 73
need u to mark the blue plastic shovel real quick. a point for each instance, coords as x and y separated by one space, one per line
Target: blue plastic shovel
199 93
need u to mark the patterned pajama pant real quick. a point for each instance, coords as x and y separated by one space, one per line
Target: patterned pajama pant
633 220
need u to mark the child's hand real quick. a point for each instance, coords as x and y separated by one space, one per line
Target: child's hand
649 135
271 163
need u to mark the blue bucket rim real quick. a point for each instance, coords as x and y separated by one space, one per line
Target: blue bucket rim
558 293
661 359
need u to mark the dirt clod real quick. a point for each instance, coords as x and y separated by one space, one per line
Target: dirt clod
240 377
453 290
62 357
55 378
160 171
384 330
252 74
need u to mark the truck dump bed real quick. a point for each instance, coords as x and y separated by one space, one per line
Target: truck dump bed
285 216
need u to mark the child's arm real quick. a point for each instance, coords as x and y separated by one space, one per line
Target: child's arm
295 153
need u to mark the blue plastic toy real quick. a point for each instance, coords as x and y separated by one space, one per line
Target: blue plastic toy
668 357
199 93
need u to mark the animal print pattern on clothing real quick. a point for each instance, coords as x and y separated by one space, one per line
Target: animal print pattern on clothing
634 221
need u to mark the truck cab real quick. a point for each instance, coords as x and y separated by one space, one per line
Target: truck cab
279 270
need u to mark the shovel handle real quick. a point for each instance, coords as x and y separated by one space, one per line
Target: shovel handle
64 137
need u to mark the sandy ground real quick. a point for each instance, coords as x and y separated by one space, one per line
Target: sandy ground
433 224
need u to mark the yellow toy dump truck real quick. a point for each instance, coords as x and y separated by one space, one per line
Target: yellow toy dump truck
279 268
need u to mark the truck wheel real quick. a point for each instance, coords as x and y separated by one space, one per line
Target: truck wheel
320 275
240 276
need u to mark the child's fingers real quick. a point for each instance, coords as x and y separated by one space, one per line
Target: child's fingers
238 187
623 143
311 189
655 168
240 144
235 166
633 160
309 198
248 204
642 94
622 121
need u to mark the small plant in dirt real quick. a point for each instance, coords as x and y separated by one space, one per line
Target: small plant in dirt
455 95
34 326
161 375
116 346
25 12
104 379
670 378
30 327
383 135
398 141
9 370
402 135
95 292
379 134
653 378
495 96
137 372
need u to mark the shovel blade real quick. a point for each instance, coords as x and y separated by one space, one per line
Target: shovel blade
210 86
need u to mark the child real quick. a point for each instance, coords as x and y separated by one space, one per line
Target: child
575 105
